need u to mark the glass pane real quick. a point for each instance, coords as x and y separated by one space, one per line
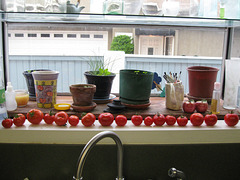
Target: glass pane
236 43
69 49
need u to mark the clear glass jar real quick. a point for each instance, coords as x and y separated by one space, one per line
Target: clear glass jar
22 97
113 7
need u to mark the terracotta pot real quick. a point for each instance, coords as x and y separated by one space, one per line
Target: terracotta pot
201 81
82 94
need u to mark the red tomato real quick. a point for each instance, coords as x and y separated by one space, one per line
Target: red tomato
137 120
196 119
170 120
61 118
148 121
231 119
210 119
159 119
48 118
121 120
189 106
73 120
35 116
182 120
201 106
88 119
7 123
19 120
105 119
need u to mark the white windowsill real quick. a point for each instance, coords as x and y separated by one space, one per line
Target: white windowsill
130 134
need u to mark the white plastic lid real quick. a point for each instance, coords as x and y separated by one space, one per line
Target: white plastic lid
9 87
217 85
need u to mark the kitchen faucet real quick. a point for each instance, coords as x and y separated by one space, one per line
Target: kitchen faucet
91 144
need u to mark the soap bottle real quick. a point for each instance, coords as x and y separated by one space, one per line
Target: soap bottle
11 103
215 104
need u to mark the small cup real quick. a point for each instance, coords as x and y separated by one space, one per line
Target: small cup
22 97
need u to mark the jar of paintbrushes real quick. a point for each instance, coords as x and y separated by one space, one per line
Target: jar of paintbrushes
174 91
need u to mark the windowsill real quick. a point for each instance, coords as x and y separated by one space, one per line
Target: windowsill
130 134
157 105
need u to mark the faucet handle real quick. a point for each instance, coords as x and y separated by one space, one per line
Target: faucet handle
174 173
77 178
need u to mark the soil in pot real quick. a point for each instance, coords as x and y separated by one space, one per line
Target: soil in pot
103 84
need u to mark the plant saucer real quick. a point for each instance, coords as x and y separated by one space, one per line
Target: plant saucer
84 108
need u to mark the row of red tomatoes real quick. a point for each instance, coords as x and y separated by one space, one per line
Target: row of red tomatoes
35 116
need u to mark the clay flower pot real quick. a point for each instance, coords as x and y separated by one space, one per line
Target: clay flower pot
82 94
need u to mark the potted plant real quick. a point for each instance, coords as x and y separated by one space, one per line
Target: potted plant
135 87
82 94
100 76
30 82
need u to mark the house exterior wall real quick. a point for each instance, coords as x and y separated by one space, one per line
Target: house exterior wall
200 42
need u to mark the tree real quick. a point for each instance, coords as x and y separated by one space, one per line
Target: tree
123 43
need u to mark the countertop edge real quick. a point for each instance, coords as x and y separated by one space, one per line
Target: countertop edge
129 134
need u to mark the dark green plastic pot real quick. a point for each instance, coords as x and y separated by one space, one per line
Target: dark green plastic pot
135 86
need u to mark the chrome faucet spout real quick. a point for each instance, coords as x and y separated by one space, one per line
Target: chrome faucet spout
91 144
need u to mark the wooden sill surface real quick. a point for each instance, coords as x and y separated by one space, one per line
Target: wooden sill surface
157 105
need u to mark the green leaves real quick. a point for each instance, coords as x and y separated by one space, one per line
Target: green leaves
123 43
103 72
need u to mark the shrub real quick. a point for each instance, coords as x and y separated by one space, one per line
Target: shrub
123 43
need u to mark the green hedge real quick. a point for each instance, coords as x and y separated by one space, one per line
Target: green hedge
123 43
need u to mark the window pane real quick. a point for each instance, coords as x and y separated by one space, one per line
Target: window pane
157 49
19 35
98 36
85 36
32 35
71 35
45 35
58 35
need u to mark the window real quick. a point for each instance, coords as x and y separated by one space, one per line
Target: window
85 36
45 35
71 35
69 49
58 35
150 51
169 46
98 36
19 35
32 35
